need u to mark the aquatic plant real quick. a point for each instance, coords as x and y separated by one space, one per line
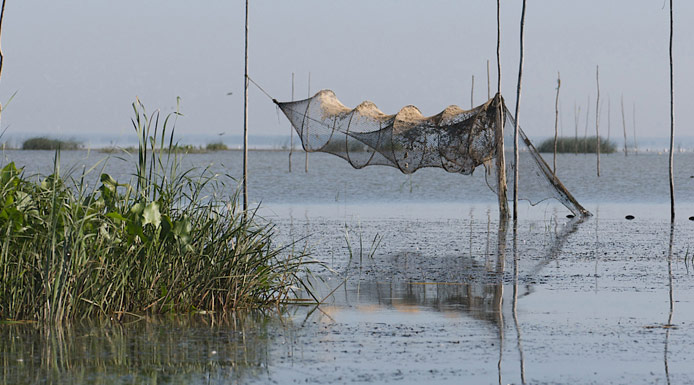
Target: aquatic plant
166 241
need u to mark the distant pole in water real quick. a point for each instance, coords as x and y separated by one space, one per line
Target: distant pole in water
556 121
489 86
291 132
672 125
309 95
597 117
245 119
577 113
624 125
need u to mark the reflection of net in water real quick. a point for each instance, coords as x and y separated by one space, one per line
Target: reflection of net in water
456 140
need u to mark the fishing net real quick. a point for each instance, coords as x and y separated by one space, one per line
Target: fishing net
456 140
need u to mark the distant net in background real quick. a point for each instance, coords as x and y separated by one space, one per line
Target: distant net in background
456 140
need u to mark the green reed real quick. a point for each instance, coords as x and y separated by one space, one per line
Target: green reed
166 241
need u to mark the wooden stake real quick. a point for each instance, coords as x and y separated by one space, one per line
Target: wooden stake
245 119
624 125
597 117
672 125
556 121
515 131
291 132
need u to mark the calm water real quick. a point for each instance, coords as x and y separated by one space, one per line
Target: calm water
444 298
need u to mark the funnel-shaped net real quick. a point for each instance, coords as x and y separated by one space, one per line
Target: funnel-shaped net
456 140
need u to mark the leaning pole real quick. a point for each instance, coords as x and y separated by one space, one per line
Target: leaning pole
245 119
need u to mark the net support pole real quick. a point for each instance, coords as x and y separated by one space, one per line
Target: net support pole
245 119
672 127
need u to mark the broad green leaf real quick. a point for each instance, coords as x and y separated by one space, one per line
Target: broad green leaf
151 215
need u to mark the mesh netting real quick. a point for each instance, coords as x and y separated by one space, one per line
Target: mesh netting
456 140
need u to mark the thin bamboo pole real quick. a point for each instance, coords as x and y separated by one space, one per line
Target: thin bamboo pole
597 118
556 121
500 121
245 119
672 125
309 95
517 118
624 125
291 132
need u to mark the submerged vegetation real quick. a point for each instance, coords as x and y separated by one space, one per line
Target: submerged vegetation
581 145
44 143
162 242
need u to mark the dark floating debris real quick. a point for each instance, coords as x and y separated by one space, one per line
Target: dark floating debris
572 216
629 217
691 218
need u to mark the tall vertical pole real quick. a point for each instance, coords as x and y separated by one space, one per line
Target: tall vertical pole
597 117
309 95
245 119
500 122
515 131
672 126
291 132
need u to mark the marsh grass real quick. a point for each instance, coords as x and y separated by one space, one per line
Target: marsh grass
164 242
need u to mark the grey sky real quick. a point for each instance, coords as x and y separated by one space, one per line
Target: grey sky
77 65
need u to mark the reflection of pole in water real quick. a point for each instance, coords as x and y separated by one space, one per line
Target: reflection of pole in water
515 301
668 326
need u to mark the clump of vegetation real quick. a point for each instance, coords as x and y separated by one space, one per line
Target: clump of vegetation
581 145
163 242
216 146
44 143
